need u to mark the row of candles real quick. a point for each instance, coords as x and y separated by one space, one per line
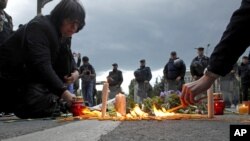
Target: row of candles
215 104
219 105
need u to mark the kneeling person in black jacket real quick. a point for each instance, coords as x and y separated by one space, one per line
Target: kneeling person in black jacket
31 62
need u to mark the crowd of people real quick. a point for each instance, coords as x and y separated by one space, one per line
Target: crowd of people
40 77
175 70
174 73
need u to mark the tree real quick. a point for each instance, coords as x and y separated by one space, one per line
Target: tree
153 91
157 88
131 89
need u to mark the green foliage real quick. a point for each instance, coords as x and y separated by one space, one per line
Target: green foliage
171 101
111 110
149 102
157 88
131 88
130 104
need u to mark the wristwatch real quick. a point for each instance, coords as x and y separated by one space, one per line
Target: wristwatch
211 74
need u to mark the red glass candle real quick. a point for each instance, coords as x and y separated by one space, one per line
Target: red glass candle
77 108
219 106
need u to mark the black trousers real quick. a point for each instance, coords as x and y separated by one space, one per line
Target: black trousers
27 100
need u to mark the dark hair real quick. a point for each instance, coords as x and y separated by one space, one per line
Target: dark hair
245 57
85 59
142 60
68 9
173 53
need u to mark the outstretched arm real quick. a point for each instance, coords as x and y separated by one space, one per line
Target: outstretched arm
233 43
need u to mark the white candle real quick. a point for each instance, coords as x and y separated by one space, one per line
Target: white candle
105 93
210 103
120 104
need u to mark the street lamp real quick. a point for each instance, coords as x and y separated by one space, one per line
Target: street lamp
40 5
208 45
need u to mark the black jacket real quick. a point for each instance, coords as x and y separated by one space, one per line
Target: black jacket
40 54
115 78
198 65
86 70
65 61
174 68
233 43
143 74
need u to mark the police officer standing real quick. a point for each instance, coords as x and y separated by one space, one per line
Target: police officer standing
142 76
6 26
115 80
174 72
199 64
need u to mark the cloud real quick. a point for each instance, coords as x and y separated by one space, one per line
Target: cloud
125 31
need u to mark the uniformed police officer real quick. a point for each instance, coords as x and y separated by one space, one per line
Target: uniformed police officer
174 72
142 76
199 64
115 80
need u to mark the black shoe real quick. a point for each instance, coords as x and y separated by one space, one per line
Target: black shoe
64 108
60 109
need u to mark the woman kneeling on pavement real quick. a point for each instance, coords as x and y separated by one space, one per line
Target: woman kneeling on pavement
36 63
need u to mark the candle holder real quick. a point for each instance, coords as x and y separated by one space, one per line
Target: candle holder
77 107
247 103
243 109
219 104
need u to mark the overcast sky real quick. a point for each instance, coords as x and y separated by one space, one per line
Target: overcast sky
125 31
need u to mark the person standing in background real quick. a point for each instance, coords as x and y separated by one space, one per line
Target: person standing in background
229 88
88 76
174 72
142 76
199 64
244 73
115 80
